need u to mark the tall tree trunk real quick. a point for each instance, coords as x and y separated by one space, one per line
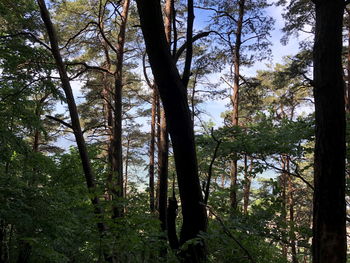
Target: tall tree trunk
292 237
174 98
158 114
235 98
329 231
126 175
164 141
247 183
151 150
89 176
284 212
116 143
347 88
163 171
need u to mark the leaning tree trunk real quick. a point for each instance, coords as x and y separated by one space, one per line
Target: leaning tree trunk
329 231
89 176
174 98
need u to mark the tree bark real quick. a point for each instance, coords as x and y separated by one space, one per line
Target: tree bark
235 98
164 141
174 98
329 231
163 171
247 183
151 150
116 143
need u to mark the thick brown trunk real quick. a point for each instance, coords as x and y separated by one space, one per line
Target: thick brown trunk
116 142
235 99
174 98
151 150
329 231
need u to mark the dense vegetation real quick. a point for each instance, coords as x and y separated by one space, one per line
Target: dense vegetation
107 153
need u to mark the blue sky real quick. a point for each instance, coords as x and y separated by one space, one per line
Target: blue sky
214 108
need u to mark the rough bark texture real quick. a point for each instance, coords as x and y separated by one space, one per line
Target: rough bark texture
174 98
329 232
235 98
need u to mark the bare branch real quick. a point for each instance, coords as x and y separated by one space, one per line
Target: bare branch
60 121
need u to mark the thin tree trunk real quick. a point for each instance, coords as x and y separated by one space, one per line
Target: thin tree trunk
126 166
247 183
158 146
235 99
174 98
329 222
116 144
292 237
163 171
284 186
347 88
151 150
89 176
164 141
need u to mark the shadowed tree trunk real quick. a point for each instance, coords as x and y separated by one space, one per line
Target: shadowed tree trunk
164 141
329 231
174 98
151 149
247 183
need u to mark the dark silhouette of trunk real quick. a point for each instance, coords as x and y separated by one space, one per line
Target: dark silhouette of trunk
247 183
164 141
126 165
24 252
116 143
4 255
210 168
329 231
163 171
158 146
151 150
292 237
179 123
347 87
171 221
284 212
89 176
235 99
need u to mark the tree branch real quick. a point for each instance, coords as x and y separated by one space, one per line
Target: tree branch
60 121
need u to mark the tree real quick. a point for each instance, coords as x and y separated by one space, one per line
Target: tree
329 232
173 95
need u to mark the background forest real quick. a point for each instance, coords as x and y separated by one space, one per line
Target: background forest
88 171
